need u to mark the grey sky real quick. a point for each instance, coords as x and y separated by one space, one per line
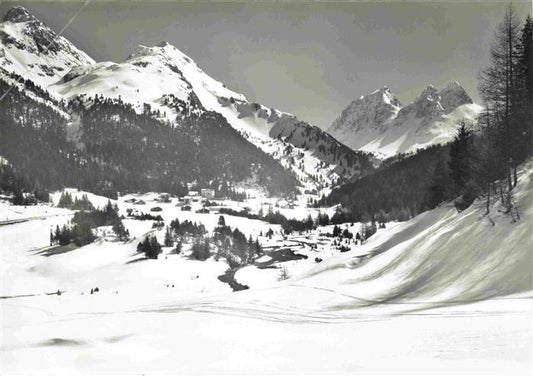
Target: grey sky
308 58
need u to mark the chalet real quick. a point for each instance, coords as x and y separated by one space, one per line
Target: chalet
207 193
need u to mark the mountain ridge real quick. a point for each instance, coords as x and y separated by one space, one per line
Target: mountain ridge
164 82
377 126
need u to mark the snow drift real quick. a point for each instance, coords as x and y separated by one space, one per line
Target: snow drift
440 257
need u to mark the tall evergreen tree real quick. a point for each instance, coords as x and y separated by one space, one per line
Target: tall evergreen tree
460 158
499 88
525 96
169 240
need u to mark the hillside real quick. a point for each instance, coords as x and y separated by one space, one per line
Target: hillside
111 148
172 84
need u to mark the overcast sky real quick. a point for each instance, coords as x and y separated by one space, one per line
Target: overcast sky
308 58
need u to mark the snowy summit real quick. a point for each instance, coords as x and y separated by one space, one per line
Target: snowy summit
378 123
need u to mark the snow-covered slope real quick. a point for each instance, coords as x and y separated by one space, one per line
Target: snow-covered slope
450 290
172 83
441 257
30 49
160 76
379 124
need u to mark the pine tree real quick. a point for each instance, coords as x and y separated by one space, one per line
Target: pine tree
525 96
499 88
283 273
257 248
150 247
169 241
65 201
460 162
200 249
122 233
179 247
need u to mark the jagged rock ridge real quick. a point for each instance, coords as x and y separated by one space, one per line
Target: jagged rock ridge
378 123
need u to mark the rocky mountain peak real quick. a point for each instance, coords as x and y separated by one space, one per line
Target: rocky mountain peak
430 93
430 119
426 105
19 14
453 96
369 112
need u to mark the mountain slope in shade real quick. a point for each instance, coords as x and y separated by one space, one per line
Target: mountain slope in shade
30 49
171 83
378 123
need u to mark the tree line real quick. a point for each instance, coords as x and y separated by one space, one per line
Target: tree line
225 242
80 229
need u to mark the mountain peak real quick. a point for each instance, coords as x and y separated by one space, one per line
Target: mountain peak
370 124
453 85
35 51
380 96
430 93
370 112
426 105
454 95
163 50
19 14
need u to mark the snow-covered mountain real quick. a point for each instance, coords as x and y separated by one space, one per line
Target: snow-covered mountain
368 113
32 50
172 83
166 81
378 123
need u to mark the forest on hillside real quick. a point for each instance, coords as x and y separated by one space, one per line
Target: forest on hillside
109 148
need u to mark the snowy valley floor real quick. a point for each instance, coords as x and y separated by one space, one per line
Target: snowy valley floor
443 293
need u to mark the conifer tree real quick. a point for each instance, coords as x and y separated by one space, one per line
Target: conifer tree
500 87
169 241
460 163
